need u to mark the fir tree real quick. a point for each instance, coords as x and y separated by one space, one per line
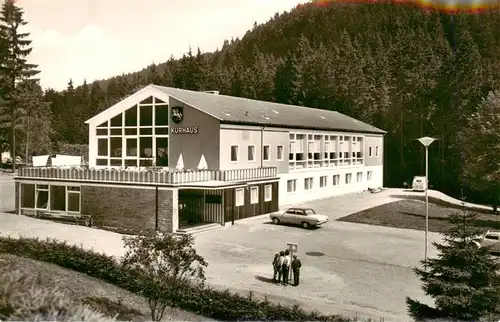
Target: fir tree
15 69
463 279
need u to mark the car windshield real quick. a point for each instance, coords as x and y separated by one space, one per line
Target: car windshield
309 212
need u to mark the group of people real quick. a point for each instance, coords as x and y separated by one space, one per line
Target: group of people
282 263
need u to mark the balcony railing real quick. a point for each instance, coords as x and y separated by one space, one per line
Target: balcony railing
147 177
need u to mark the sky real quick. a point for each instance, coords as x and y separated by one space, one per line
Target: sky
97 39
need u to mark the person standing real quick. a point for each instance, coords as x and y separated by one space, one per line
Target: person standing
296 265
279 265
276 266
286 267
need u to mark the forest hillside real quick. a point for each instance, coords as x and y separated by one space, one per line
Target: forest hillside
408 71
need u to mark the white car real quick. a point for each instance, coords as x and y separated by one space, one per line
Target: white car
306 217
492 240
418 183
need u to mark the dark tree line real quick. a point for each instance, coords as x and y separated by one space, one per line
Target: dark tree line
410 72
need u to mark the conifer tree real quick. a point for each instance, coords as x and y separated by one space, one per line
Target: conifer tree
15 69
462 279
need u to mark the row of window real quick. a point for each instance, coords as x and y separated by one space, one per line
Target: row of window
323 181
266 154
370 151
254 195
251 155
50 197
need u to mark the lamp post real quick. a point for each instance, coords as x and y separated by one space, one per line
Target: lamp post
426 141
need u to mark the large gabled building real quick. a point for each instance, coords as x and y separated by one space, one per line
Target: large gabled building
219 157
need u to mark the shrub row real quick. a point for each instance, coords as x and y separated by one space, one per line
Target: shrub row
221 305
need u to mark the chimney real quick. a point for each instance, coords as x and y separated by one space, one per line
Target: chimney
212 92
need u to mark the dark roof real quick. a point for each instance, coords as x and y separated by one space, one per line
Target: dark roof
237 110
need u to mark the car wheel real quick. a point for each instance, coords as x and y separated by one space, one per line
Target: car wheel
276 221
305 225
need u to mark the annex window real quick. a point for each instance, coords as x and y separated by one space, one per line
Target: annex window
27 195
239 197
369 176
251 153
234 153
58 198
370 152
348 178
308 183
254 195
42 196
376 151
291 185
73 196
322 181
266 153
279 153
336 180
359 176
268 192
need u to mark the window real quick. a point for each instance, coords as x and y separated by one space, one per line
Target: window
116 147
146 116
251 153
322 181
336 180
359 176
73 195
58 198
370 154
254 195
268 192
291 185
279 153
146 147
27 195
161 115
102 147
266 153
131 147
131 116
308 183
42 196
240 197
234 153
369 176
348 178
376 151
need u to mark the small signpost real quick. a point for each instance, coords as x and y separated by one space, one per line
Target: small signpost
293 248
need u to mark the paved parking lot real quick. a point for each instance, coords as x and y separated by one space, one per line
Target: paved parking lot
365 271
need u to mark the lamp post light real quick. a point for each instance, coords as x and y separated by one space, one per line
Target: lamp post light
426 141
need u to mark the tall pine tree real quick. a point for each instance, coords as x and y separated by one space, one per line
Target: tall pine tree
15 69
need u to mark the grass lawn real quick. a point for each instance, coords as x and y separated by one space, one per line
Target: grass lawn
108 299
410 214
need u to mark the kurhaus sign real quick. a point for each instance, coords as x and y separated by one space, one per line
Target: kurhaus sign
184 130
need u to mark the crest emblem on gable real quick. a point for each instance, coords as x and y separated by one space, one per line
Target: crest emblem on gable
177 114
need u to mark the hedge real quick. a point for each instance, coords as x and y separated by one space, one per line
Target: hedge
221 305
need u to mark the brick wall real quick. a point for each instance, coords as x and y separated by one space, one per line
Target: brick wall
127 209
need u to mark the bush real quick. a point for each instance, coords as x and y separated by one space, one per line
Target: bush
23 298
222 305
